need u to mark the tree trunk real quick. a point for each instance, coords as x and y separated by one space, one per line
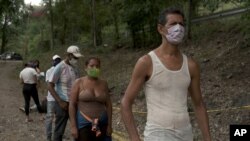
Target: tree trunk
189 16
64 30
51 26
143 37
4 38
117 37
26 45
42 32
133 38
154 10
93 21
99 35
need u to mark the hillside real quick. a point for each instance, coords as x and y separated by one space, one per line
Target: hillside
221 50
223 57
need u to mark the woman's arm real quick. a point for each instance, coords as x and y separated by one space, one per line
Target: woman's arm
109 111
73 107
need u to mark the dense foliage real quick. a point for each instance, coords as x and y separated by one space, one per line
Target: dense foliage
91 23
11 14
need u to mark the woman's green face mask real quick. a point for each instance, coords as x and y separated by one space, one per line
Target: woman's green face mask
93 72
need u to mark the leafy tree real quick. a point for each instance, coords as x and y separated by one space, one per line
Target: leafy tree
141 17
11 12
71 20
49 6
116 7
74 19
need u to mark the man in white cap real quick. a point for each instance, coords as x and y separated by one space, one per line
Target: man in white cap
50 100
60 83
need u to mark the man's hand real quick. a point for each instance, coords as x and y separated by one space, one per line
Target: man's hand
64 105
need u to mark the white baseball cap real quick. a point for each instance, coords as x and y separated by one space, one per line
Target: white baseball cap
55 57
75 51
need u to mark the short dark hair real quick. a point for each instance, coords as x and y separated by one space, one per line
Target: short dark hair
30 64
94 58
172 10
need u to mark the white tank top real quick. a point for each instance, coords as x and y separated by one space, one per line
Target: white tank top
166 95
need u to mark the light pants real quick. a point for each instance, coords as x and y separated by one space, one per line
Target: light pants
49 119
62 117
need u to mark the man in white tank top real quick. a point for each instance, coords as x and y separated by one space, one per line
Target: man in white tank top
167 76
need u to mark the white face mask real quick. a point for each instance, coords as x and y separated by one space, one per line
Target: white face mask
73 62
175 34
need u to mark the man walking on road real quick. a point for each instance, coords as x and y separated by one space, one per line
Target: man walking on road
60 83
168 76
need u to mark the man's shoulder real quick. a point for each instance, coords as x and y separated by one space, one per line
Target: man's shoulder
50 69
193 66
143 66
192 62
145 60
61 65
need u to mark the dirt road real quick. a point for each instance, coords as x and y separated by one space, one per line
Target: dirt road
12 120
12 124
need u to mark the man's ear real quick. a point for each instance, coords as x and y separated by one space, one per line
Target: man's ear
161 29
70 55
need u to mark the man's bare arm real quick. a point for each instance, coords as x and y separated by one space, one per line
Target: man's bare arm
63 104
51 88
109 111
199 107
138 78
